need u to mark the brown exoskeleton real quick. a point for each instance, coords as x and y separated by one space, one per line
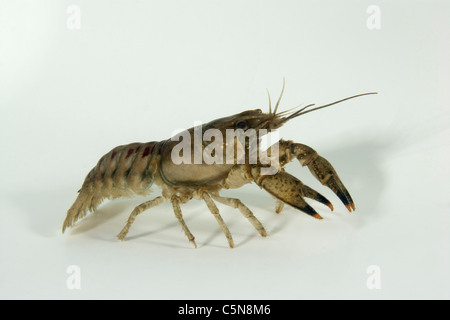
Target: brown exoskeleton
132 169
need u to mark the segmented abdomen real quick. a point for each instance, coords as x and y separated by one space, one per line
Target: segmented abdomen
124 171
126 168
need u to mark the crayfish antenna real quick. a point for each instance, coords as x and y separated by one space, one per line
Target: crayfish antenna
281 95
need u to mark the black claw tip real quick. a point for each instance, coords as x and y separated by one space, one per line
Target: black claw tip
309 210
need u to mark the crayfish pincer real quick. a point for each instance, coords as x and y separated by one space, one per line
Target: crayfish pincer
201 161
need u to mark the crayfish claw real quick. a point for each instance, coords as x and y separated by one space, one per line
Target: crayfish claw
335 184
288 189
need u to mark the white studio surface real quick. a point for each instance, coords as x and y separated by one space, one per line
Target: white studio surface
78 78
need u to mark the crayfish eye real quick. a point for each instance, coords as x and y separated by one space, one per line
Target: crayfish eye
241 125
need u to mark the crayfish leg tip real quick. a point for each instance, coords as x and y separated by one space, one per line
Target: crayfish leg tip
65 226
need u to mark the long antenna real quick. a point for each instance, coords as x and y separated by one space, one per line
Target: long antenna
330 104
301 111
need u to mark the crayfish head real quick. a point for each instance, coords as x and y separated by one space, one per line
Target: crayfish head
256 119
249 119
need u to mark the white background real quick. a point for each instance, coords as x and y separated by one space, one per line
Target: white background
138 70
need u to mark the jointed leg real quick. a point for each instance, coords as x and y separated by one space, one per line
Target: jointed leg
177 211
139 209
213 208
279 206
236 203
